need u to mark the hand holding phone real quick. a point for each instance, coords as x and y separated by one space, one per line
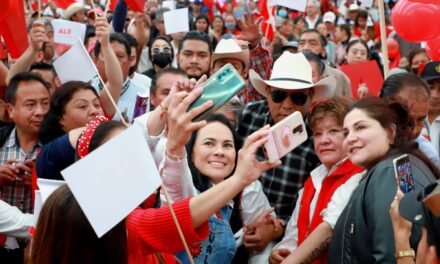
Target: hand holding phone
403 172
219 88
285 136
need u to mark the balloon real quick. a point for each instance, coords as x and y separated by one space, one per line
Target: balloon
433 48
437 2
415 22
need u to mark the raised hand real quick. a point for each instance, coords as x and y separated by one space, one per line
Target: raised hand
37 36
179 121
250 28
249 168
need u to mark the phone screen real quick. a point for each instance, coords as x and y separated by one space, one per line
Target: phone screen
404 174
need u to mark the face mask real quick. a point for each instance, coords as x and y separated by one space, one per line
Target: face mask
282 13
230 26
161 59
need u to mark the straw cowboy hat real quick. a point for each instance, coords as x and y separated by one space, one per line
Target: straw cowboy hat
72 9
293 72
229 49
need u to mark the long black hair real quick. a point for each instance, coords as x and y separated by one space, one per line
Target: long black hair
202 183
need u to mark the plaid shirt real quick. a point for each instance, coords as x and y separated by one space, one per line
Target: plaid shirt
281 184
16 193
261 62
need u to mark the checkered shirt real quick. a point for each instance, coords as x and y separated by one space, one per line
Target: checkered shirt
16 193
261 62
281 184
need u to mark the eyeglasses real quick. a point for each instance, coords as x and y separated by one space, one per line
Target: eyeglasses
279 96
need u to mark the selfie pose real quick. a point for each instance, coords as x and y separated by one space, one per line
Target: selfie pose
377 131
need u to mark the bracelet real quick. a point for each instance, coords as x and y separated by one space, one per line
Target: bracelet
173 156
406 253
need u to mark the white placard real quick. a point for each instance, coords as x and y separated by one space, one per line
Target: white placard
171 5
47 187
67 32
75 64
114 179
367 3
38 203
299 5
176 21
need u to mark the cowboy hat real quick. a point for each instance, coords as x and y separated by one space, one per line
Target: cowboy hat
230 49
293 72
72 9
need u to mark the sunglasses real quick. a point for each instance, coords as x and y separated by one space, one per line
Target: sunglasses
279 96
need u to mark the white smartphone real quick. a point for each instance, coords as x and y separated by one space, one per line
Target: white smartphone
403 172
285 136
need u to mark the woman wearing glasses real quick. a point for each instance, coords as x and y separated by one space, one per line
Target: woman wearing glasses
161 55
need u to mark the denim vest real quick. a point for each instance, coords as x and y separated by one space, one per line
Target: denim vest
219 247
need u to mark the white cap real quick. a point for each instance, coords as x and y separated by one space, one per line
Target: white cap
329 17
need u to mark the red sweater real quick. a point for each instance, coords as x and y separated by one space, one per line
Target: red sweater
153 230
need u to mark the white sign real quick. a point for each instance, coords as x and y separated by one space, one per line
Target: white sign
176 21
171 5
114 179
299 5
38 203
47 187
75 64
367 3
67 32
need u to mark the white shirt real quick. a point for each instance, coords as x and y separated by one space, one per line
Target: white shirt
330 214
13 222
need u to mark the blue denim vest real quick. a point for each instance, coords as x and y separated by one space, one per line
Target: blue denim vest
219 247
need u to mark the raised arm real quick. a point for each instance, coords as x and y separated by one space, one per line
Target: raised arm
113 71
37 36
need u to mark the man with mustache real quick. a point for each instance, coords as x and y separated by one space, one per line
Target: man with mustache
28 99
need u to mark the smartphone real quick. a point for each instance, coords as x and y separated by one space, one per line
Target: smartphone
403 172
219 88
285 136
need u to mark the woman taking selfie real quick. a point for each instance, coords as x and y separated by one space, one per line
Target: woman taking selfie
63 234
209 158
377 131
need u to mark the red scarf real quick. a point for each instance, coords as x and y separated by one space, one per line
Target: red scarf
329 186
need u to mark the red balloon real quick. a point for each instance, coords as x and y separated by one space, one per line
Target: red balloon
437 2
433 48
415 22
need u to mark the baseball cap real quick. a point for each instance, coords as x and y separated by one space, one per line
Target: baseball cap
431 71
414 208
329 17
290 44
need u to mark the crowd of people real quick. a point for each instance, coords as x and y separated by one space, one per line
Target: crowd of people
334 198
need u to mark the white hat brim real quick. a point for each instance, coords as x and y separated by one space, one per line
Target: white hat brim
323 89
242 56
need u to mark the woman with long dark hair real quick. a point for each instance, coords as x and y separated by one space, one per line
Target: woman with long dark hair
377 131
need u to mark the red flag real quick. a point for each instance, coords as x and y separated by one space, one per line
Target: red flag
63 3
364 72
268 22
13 26
210 4
136 5
3 54
112 5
